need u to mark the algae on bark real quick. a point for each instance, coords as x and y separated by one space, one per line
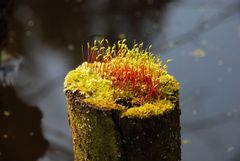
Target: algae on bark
95 136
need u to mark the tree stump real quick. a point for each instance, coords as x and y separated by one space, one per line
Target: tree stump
123 107
102 135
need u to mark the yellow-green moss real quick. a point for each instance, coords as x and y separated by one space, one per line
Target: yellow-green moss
90 131
104 104
149 109
89 82
93 80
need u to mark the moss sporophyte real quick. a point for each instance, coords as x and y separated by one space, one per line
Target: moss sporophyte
131 80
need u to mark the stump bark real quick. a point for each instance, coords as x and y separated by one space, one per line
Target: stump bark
102 135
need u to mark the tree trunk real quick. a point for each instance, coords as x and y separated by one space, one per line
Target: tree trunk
102 135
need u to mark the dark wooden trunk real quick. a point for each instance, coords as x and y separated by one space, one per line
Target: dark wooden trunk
101 135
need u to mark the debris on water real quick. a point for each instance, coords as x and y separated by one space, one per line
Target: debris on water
197 91
30 23
199 53
79 1
171 44
155 26
71 47
121 36
194 112
238 31
150 2
220 62
229 70
235 110
28 33
204 42
206 26
119 155
181 103
231 148
157 13
66 1
219 79
5 136
31 133
186 141
6 113
229 114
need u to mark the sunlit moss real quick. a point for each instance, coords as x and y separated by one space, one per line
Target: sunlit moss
149 109
104 104
116 72
89 82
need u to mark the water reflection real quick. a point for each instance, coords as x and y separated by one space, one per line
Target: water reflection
21 135
67 24
201 36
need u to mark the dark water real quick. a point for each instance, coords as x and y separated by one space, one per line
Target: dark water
45 37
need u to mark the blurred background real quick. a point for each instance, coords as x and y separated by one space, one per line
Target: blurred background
40 41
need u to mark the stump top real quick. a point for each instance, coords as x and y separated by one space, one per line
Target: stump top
132 81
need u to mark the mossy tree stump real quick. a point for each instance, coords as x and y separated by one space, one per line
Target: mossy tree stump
115 120
101 135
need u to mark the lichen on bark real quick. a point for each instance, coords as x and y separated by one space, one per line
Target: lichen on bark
94 133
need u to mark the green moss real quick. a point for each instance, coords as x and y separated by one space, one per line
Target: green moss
104 104
149 109
91 128
89 82
122 73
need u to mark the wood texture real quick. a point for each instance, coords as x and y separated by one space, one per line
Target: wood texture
100 135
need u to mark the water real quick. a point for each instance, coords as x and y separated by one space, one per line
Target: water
201 36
